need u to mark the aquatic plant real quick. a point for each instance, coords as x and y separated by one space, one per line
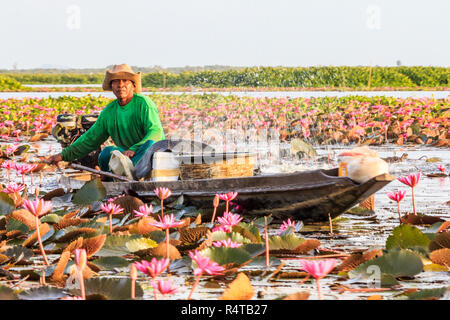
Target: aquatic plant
318 269
397 196
204 265
166 222
215 205
143 211
164 286
228 197
111 209
411 180
38 208
81 261
162 194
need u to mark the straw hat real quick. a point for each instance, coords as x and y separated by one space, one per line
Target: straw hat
122 71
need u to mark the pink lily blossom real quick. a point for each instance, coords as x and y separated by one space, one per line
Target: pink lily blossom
286 224
164 287
397 196
153 268
227 243
204 264
412 180
318 269
143 211
111 209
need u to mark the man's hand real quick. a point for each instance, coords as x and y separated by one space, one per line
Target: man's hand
54 159
129 153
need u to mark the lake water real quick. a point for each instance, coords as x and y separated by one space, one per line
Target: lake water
256 94
351 232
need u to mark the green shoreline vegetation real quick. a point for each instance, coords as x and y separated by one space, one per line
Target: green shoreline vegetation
414 77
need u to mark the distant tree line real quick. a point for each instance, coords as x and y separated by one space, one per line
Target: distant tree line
315 77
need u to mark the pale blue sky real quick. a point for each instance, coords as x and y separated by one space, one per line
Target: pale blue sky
174 33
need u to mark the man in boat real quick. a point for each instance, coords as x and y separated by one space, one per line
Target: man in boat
132 122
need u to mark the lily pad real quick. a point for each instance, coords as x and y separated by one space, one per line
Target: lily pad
116 246
17 252
6 204
224 255
42 293
140 244
13 224
234 236
428 294
286 242
51 218
109 263
110 289
90 192
398 263
441 241
407 237
249 231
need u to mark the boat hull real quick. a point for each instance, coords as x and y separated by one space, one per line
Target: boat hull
309 196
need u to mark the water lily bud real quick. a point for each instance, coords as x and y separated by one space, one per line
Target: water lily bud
80 258
216 201
133 272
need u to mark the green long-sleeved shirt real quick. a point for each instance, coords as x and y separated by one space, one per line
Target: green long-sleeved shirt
129 126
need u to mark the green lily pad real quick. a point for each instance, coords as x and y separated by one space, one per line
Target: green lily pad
234 236
90 192
110 289
286 242
13 224
157 235
42 293
249 231
51 218
260 222
6 204
407 237
116 246
398 263
427 294
140 244
109 263
224 255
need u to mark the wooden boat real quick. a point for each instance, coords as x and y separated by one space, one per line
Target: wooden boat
308 196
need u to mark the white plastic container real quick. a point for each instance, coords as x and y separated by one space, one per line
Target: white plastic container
165 167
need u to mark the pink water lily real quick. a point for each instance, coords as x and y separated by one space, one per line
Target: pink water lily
38 208
286 224
397 196
153 268
412 180
167 222
204 264
162 194
111 208
228 197
318 269
227 243
164 287
14 187
8 165
143 211
441 168
229 220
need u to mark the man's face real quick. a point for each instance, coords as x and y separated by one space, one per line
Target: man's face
122 88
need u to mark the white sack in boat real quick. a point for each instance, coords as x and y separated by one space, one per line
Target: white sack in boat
121 165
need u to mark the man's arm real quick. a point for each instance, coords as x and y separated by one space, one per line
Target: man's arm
89 141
